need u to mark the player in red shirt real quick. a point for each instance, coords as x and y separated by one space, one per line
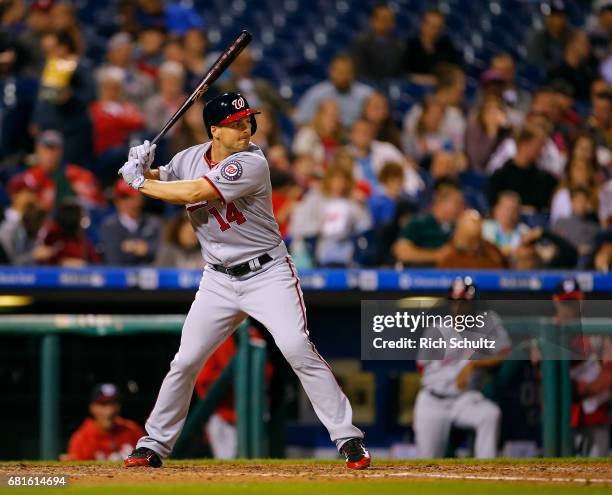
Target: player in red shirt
105 435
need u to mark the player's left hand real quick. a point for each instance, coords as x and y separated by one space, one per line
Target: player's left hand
132 173
463 378
145 154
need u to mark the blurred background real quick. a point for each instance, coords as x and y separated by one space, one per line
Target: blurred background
409 143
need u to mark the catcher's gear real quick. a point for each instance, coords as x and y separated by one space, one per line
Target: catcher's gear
228 108
145 154
132 173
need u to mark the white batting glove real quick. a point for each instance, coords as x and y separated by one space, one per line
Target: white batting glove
145 154
133 173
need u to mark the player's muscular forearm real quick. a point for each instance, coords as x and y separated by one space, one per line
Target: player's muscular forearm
180 192
152 174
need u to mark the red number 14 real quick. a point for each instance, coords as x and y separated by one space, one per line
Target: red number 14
231 215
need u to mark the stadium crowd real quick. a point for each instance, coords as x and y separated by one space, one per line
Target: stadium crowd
509 177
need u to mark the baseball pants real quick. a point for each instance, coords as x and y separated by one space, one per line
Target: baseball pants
272 296
433 418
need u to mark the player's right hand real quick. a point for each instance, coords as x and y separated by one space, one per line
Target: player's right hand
145 154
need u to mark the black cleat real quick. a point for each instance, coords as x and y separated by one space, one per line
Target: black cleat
357 456
143 457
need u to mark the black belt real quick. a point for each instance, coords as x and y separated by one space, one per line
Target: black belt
441 396
244 268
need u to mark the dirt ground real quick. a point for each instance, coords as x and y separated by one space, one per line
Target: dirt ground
599 473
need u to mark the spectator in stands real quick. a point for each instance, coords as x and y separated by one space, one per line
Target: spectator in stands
547 45
322 136
137 86
384 200
448 98
451 166
426 135
485 132
55 179
380 38
550 159
151 40
22 222
105 435
513 96
257 91
605 205
377 112
67 89
285 195
576 68
38 24
114 119
16 106
190 130
505 229
63 18
65 240
370 156
425 240
332 217
602 260
493 85
268 133
173 51
430 48
468 249
600 29
197 60
129 237
341 219
600 120
521 174
341 87
160 107
543 249
581 227
581 172
179 247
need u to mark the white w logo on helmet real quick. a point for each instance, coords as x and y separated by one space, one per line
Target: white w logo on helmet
238 103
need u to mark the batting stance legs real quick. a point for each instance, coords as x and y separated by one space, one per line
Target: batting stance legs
274 297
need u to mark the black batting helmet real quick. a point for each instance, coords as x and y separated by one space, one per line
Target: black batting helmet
463 289
227 108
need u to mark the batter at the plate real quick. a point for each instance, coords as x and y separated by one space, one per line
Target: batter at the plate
225 186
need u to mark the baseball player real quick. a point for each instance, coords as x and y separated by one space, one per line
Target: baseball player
225 186
447 397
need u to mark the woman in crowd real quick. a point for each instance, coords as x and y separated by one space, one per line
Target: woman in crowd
377 112
581 171
485 132
322 137
180 247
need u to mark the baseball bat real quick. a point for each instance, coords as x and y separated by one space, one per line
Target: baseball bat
222 63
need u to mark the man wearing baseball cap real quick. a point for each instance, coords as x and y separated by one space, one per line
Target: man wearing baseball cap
56 180
104 435
129 236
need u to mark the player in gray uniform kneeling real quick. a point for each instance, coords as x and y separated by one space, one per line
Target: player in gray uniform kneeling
225 187
447 397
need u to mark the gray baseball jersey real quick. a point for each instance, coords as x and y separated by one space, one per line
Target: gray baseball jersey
232 230
440 404
241 226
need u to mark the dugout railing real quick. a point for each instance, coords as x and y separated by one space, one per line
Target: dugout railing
246 373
